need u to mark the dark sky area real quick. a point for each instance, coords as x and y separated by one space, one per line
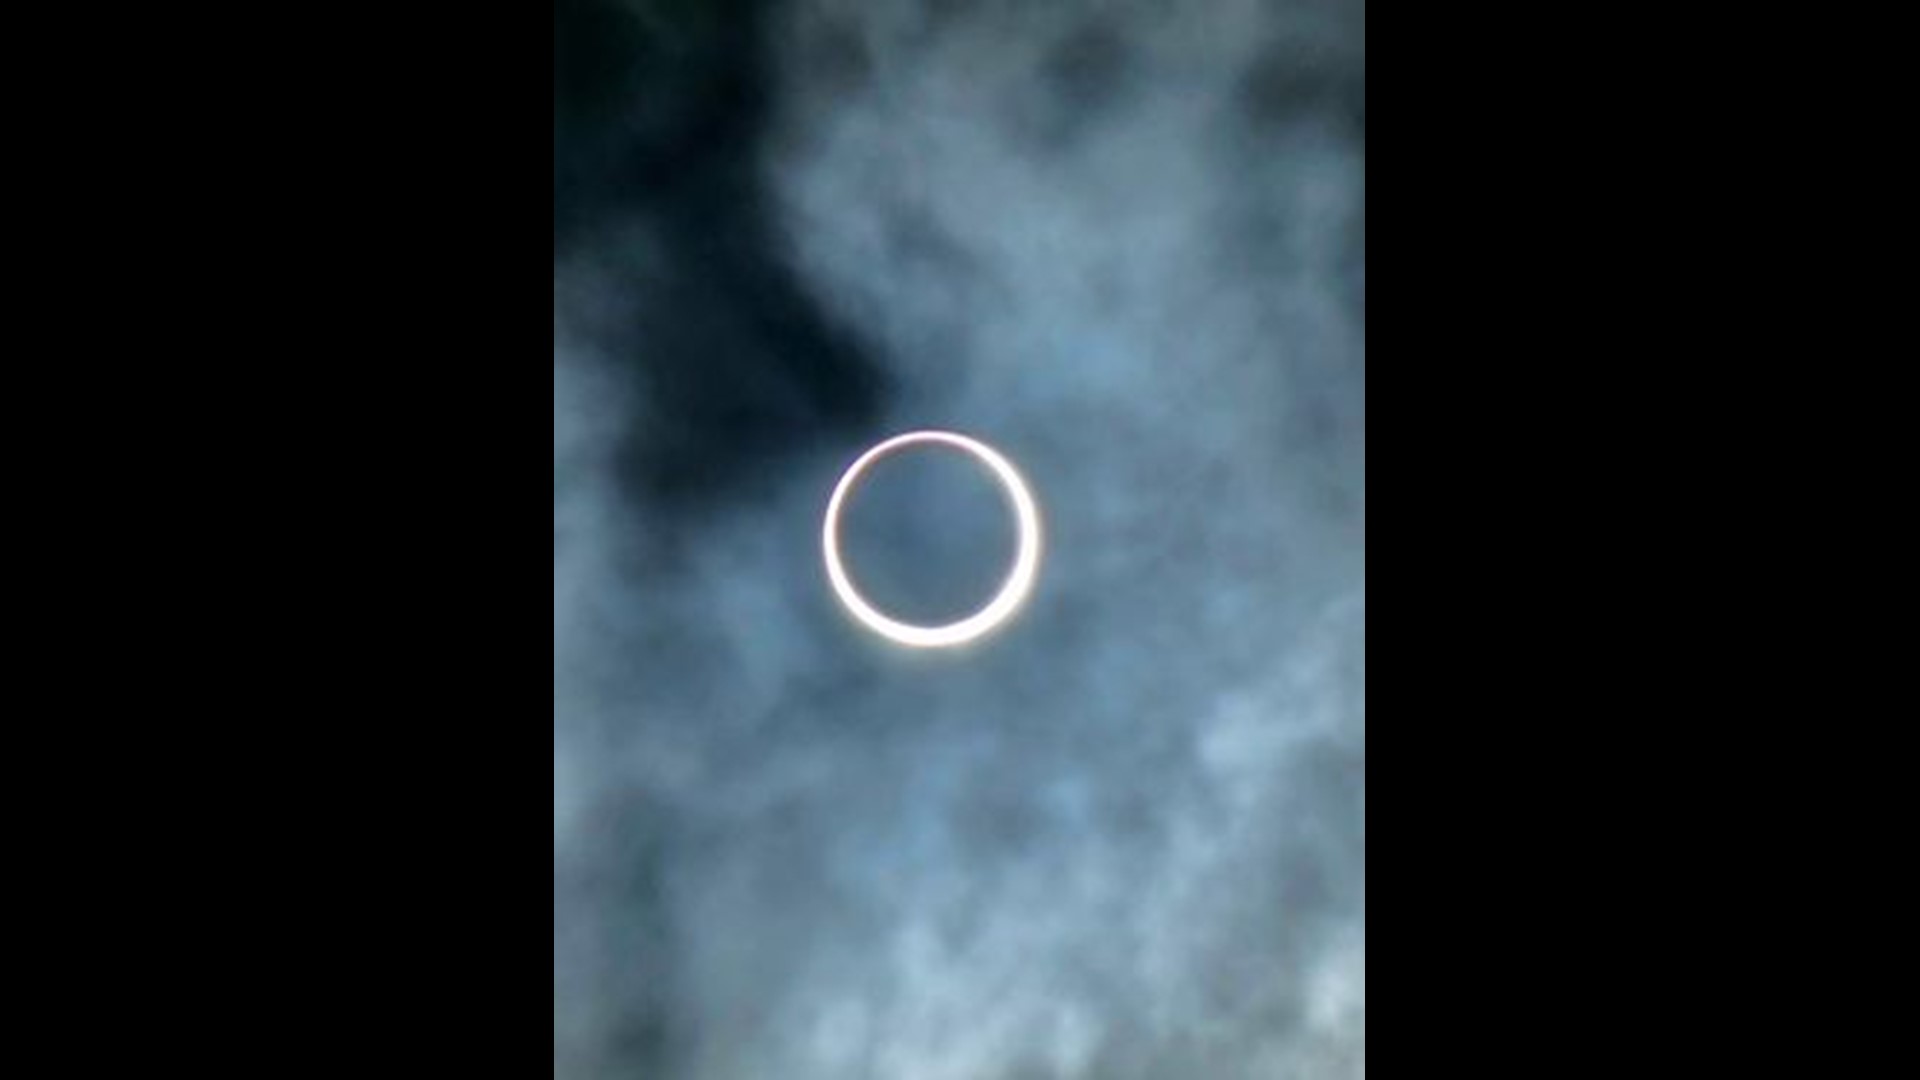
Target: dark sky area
1123 837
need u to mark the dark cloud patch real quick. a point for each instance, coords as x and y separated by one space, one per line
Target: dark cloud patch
1086 66
1081 77
660 108
836 48
1306 78
647 95
737 366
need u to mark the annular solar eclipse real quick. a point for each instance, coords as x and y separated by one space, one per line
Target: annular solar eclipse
1013 590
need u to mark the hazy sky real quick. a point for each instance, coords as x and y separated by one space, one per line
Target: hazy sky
1124 837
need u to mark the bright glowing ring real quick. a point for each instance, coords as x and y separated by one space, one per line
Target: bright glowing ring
1019 581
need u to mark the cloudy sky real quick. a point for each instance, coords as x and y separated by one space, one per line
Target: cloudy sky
1123 836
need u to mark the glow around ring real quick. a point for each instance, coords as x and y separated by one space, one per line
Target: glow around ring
1019 581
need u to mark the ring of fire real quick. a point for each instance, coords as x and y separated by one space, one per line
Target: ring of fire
1019 579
